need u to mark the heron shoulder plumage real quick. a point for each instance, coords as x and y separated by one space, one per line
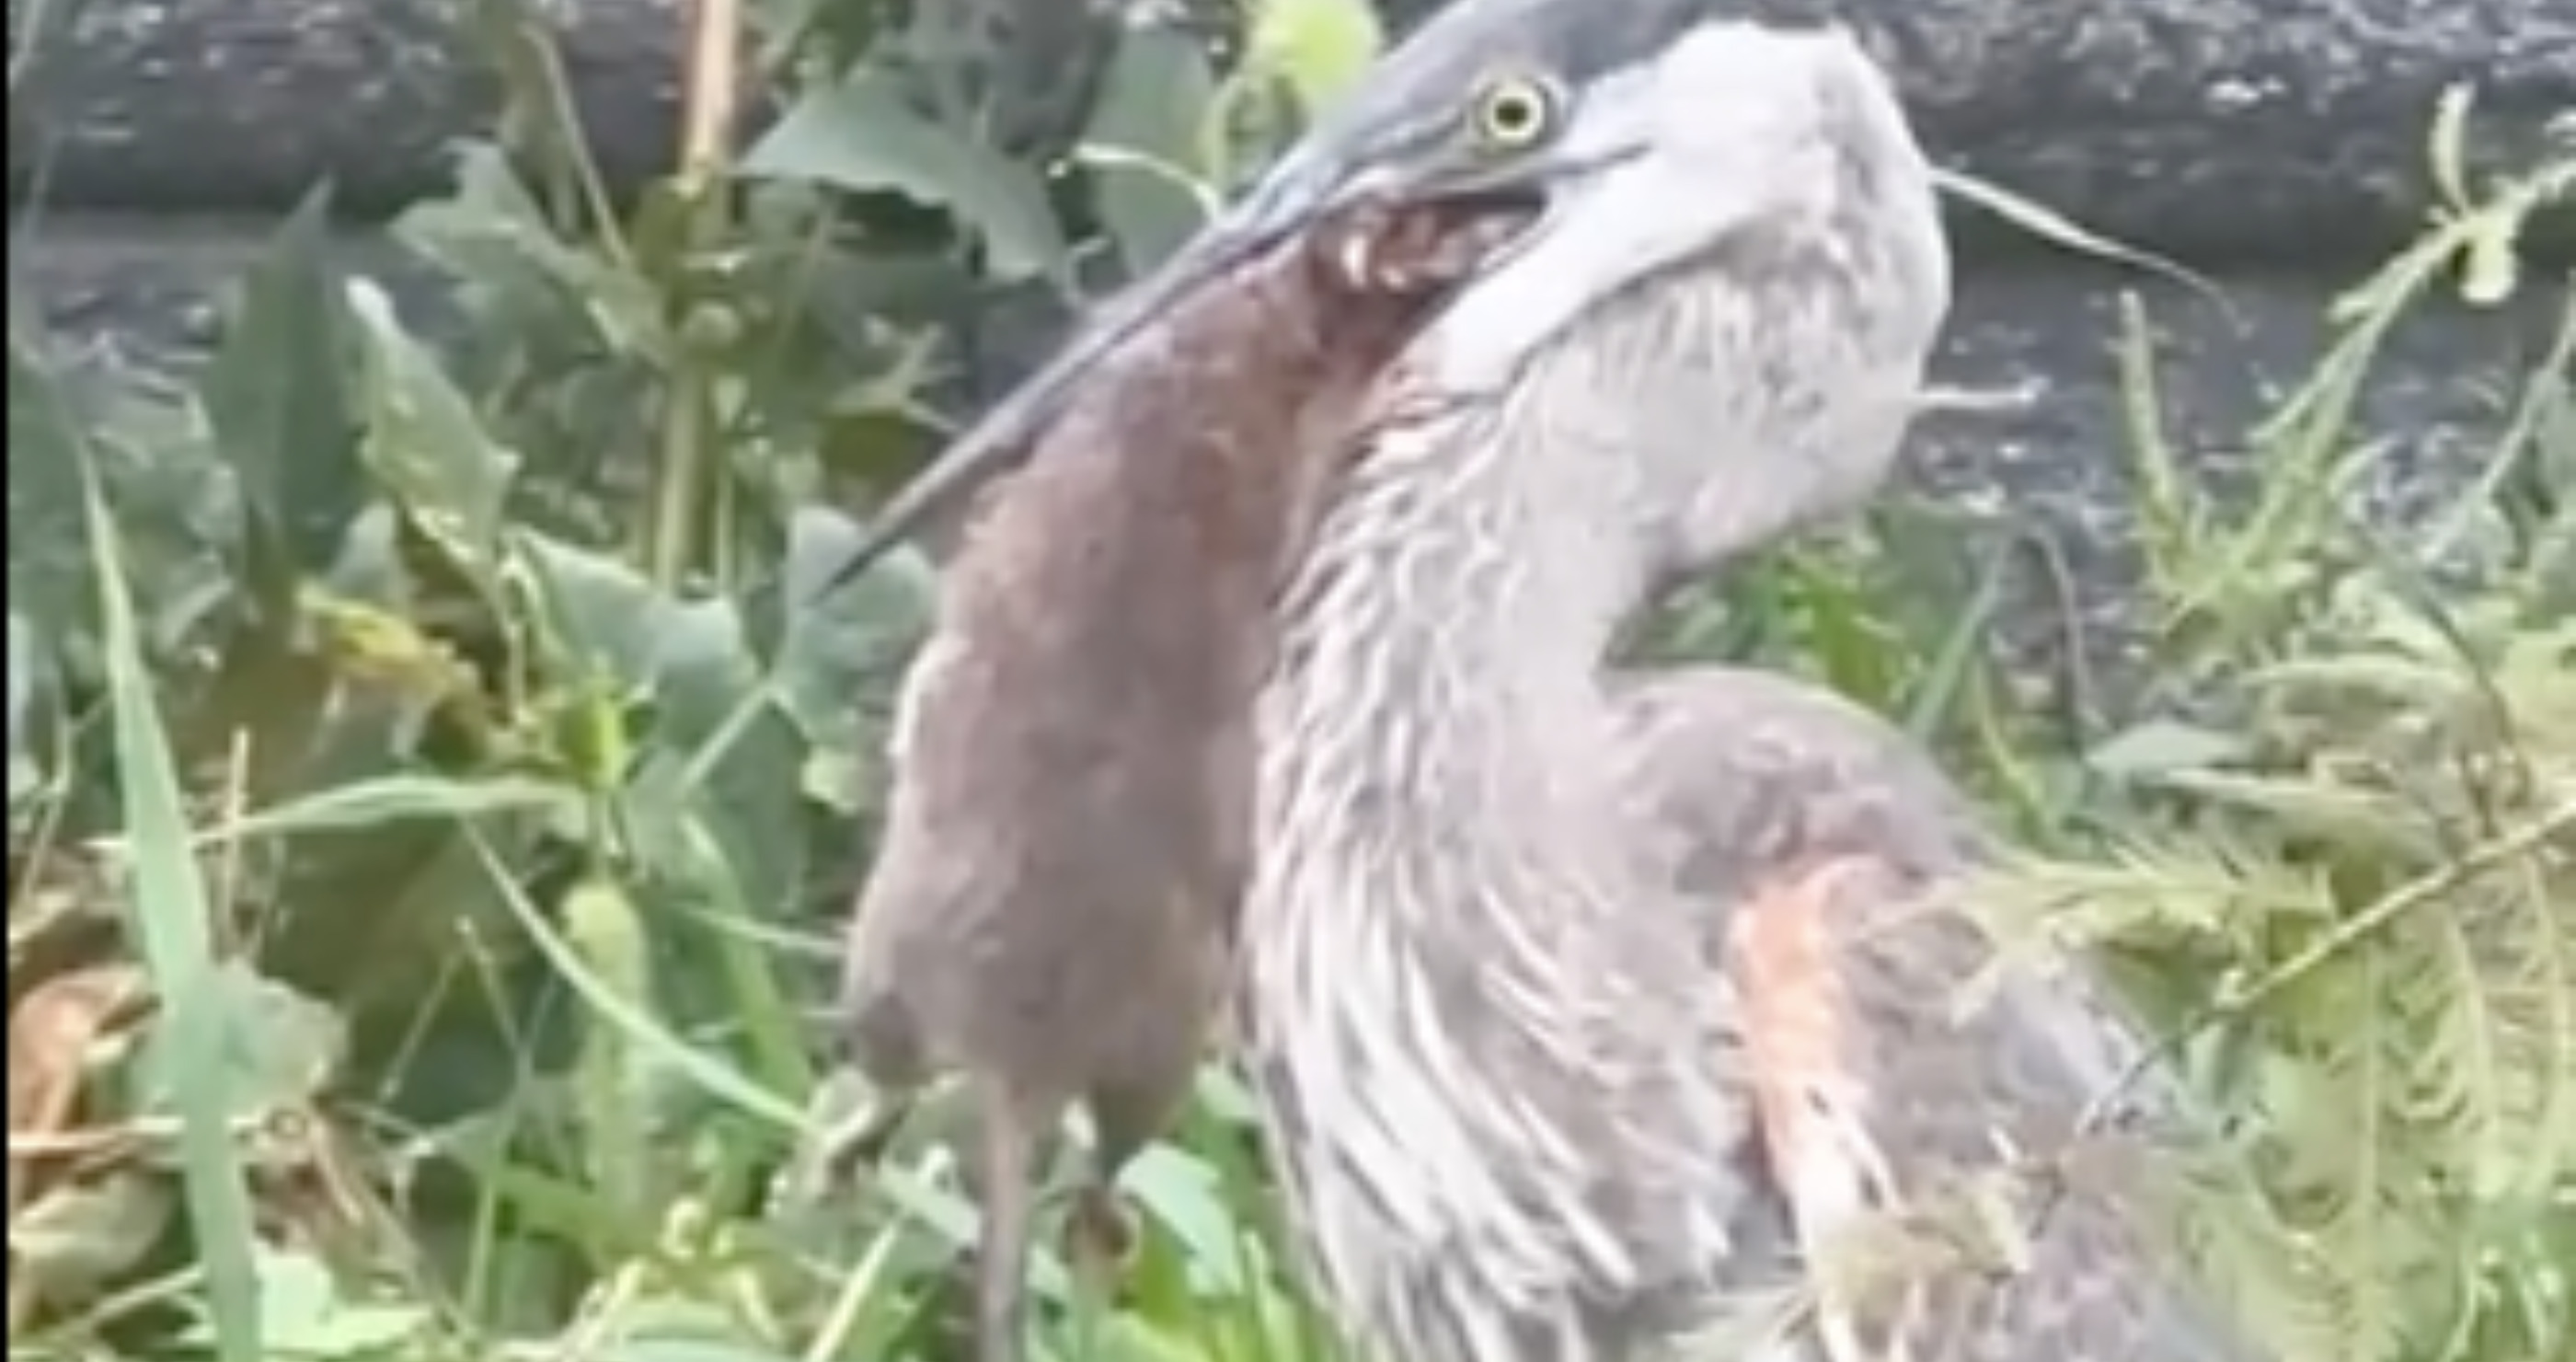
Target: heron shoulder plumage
1950 1194
1926 1100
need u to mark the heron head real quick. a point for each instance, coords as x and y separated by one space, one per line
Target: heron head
1728 296
1469 114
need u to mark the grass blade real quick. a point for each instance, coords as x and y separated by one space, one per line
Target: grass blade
171 932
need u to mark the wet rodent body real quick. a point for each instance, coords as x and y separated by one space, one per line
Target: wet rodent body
1052 910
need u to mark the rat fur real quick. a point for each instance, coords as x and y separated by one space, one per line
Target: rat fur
1052 908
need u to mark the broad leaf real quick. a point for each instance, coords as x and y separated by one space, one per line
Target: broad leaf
306 1314
1143 144
48 444
714 751
277 394
862 135
531 288
426 444
842 646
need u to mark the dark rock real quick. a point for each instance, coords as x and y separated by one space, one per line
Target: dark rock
2221 131
2231 133
157 106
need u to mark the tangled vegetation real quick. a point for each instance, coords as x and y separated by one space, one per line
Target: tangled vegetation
431 778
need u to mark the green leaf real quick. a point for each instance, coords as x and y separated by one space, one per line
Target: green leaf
849 642
376 802
1941 694
1321 48
2050 225
308 1317
599 616
653 1349
424 441
2164 747
1183 1193
862 135
1142 144
49 450
170 498
531 288
277 394
698 1065
715 749
278 1047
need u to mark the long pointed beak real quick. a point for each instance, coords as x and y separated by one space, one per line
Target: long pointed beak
1006 435
1297 193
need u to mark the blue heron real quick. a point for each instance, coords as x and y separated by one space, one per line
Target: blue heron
1588 1008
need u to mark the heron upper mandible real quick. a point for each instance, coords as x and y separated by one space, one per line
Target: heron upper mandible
1584 1007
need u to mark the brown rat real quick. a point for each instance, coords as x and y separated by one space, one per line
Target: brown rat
1052 905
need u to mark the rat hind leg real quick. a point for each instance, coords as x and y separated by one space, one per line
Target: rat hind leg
1012 1138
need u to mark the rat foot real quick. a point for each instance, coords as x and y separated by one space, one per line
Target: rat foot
1101 1237
837 1144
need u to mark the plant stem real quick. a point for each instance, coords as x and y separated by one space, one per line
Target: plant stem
710 103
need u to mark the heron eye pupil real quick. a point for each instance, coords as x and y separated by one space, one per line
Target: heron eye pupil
1513 114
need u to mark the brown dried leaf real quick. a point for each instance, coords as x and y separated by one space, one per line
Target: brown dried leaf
53 1033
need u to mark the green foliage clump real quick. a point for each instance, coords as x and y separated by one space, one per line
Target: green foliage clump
431 770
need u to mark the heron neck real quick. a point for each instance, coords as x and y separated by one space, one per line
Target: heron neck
1438 757
1442 646
1463 996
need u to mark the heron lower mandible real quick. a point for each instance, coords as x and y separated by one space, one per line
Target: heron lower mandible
1585 1009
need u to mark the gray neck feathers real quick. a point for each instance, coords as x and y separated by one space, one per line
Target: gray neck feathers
1485 1023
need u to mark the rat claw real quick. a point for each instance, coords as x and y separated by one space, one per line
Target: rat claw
1101 1234
827 1160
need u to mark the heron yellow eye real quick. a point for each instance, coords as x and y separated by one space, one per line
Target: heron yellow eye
1513 112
